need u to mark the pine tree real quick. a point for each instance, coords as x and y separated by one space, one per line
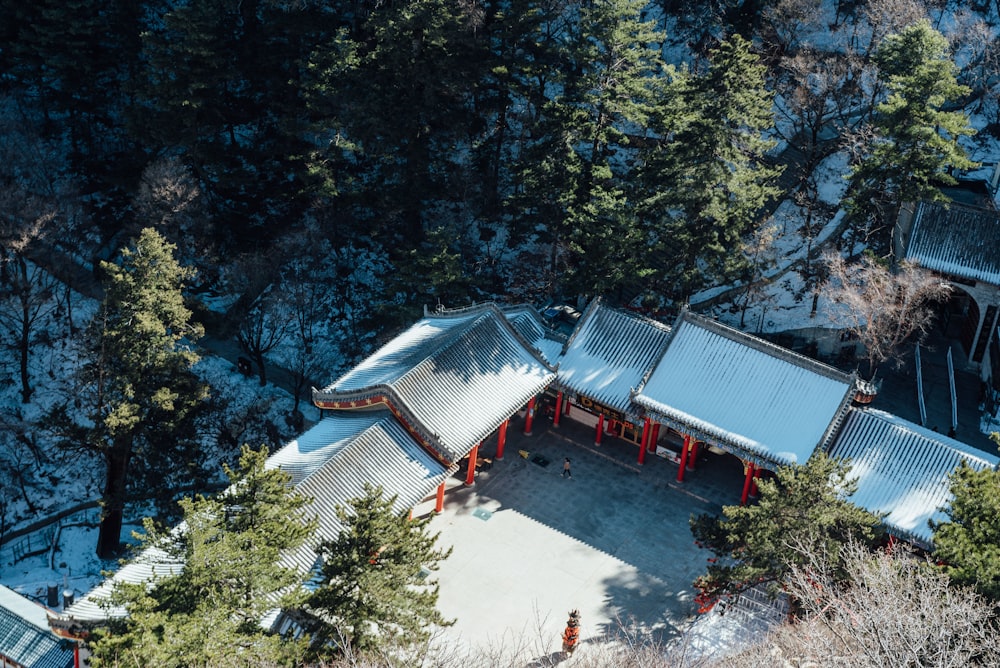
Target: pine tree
223 83
574 182
373 576
916 142
803 513
707 180
968 544
78 59
399 78
233 576
138 390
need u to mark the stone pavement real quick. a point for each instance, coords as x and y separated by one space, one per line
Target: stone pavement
613 541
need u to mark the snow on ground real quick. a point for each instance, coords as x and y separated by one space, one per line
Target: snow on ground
38 480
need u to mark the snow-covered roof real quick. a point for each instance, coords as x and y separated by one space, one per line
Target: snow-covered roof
384 455
148 565
25 636
902 469
956 239
453 377
734 390
609 353
528 323
329 463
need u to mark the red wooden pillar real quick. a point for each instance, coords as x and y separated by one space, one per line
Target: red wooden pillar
566 405
753 485
470 475
654 437
684 456
502 439
555 416
646 433
693 455
76 654
600 429
529 417
439 503
748 471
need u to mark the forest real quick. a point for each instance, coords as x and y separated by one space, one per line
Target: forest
324 170
302 177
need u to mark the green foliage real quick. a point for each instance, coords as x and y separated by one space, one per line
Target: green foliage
395 82
373 581
222 83
141 396
969 542
916 141
231 547
707 180
574 182
802 515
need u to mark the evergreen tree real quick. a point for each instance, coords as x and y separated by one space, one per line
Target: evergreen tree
139 397
916 142
968 544
223 83
77 60
574 182
707 180
233 576
373 576
803 513
398 78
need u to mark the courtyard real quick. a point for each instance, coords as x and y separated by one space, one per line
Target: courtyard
612 541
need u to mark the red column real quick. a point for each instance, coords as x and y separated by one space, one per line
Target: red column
753 485
646 429
470 476
555 417
600 429
76 654
654 437
566 404
693 455
439 504
501 439
684 456
748 471
529 416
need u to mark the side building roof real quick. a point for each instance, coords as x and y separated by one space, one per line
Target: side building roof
452 378
25 636
902 469
609 353
329 463
730 389
956 239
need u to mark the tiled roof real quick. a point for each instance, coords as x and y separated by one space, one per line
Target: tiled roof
528 323
329 464
607 356
25 636
902 469
384 455
732 389
147 565
956 239
456 375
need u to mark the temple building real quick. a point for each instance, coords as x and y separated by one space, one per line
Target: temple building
425 406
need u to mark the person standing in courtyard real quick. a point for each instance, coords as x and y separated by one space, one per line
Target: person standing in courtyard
566 472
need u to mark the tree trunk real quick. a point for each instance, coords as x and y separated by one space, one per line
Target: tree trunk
258 357
109 538
24 345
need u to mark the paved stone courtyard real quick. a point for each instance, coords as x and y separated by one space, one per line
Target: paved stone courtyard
613 541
